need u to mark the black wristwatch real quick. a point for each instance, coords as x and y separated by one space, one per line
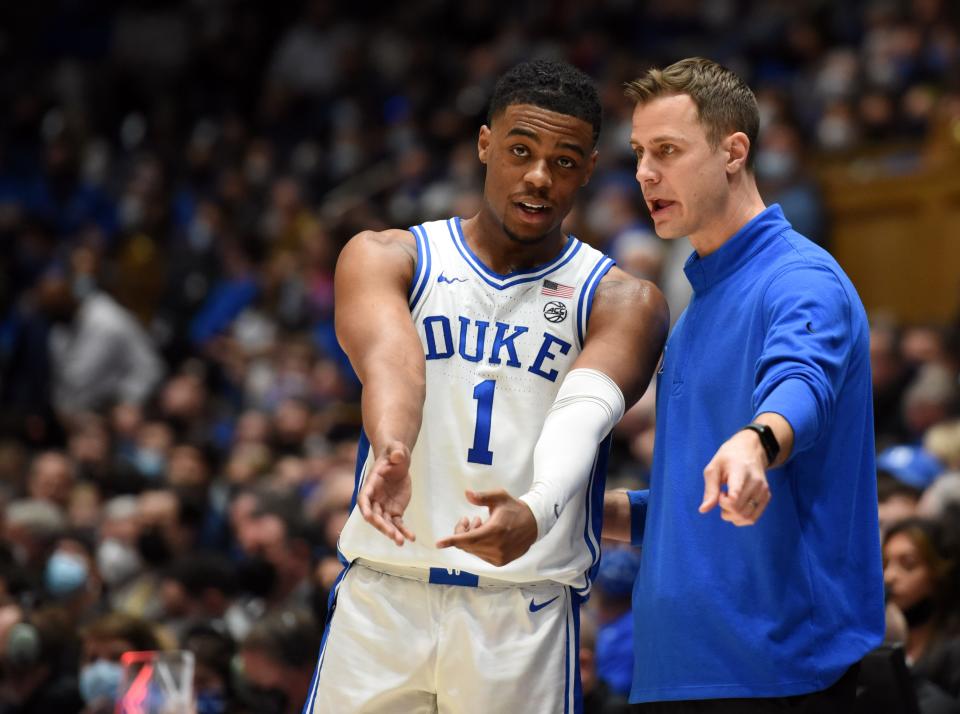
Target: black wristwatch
767 440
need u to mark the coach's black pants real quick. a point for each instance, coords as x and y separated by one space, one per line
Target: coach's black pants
836 699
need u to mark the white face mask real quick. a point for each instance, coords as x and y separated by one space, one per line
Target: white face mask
117 561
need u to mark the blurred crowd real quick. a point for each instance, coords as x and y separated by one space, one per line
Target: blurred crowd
177 421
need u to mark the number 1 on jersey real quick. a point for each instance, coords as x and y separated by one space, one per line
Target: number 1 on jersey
480 452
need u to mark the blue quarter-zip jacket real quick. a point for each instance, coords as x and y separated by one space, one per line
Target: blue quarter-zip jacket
785 606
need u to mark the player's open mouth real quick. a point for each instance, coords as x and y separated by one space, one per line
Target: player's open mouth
532 208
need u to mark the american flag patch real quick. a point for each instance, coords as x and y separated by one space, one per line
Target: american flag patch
556 289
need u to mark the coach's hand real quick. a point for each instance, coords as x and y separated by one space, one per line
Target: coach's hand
386 493
740 464
506 535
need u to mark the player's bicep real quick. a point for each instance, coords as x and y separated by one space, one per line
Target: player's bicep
626 332
372 314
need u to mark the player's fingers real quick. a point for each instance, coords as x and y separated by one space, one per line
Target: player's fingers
711 487
383 524
363 501
402 528
477 522
466 540
463 525
486 498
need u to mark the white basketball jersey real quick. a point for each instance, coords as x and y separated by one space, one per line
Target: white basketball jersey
497 348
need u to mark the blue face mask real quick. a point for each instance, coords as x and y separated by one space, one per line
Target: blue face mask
211 702
100 680
65 574
149 463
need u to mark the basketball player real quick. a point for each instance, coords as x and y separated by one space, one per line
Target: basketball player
496 353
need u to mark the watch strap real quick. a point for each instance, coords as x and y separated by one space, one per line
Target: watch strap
768 441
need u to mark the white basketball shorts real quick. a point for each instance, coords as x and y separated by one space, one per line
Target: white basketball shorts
399 644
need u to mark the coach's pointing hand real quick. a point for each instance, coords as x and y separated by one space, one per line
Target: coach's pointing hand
386 493
507 534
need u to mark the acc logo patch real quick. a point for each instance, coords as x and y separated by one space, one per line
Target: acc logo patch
555 311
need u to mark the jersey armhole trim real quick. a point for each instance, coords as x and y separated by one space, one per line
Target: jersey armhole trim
422 275
585 300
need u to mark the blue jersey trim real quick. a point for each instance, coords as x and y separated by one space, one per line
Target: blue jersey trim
423 265
442 576
577 685
594 521
566 662
308 705
419 269
585 300
363 449
501 282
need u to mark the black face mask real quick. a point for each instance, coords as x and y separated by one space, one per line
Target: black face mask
257 576
263 700
920 613
153 547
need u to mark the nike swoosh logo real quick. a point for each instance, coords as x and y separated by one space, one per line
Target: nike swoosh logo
442 279
534 607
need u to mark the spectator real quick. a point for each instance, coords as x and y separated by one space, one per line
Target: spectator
897 499
277 660
102 644
99 354
921 576
39 676
51 478
597 697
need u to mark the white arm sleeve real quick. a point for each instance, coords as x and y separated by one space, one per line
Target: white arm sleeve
587 407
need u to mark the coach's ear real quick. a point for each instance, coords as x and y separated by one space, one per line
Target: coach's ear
483 143
737 146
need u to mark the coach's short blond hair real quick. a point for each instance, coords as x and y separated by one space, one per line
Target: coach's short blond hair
724 102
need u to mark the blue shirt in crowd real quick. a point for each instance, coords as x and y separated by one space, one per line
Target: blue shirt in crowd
786 606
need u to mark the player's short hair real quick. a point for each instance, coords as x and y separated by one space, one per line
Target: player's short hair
556 86
725 103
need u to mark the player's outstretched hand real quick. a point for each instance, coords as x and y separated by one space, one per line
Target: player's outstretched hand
386 493
740 465
506 535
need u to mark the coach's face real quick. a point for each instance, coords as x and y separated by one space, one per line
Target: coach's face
684 178
536 161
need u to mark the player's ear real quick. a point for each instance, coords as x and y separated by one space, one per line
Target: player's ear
483 143
737 146
591 165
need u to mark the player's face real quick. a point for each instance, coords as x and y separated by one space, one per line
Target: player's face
905 573
683 177
536 160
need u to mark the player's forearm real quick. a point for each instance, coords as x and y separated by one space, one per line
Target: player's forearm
587 407
392 404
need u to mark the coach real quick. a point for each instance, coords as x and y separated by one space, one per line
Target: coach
763 420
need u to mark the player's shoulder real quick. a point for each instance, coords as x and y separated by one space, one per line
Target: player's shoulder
386 253
390 245
619 290
389 239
